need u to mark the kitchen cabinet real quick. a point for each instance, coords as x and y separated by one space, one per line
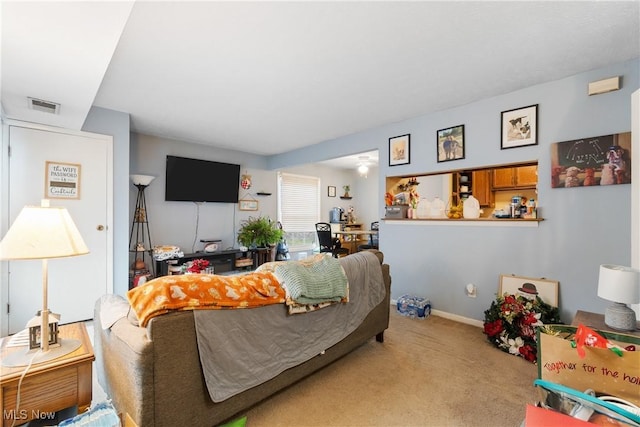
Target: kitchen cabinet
460 187
515 177
481 187
467 183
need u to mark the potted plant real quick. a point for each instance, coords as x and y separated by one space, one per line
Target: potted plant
259 232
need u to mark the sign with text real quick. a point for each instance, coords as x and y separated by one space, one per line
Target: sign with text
601 369
62 180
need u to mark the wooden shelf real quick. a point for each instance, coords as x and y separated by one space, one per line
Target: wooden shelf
263 194
346 198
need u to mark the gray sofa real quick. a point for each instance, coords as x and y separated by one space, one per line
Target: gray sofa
154 377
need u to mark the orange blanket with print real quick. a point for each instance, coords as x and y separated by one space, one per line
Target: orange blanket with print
204 291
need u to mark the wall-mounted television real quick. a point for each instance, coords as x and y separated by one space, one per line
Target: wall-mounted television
194 180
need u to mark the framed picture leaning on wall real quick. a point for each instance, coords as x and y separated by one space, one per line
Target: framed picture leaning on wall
529 288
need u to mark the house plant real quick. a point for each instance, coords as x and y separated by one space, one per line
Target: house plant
259 232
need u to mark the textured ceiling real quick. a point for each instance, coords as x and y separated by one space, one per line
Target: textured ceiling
269 77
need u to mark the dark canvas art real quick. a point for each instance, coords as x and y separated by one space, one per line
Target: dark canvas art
600 160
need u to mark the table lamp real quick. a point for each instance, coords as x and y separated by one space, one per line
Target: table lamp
620 285
42 232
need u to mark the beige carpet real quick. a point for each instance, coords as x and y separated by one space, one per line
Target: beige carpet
433 372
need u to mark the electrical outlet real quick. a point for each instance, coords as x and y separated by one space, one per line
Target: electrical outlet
471 290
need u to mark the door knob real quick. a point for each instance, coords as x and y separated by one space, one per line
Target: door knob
100 227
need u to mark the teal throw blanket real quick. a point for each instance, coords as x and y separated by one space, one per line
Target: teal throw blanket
323 280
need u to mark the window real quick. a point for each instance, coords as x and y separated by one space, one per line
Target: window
299 209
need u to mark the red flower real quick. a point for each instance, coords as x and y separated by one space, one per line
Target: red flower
511 305
526 330
198 265
493 328
529 319
528 352
510 299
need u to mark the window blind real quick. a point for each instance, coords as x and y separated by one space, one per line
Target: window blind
299 202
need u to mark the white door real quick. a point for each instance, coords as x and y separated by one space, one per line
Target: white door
74 283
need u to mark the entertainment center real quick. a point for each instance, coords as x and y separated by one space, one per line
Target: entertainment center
221 261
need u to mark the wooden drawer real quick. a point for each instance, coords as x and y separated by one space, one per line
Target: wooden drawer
41 395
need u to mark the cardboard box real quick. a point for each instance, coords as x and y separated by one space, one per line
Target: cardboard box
600 370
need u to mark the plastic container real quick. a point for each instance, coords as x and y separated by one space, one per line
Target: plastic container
414 306
423 208
437 208
471 208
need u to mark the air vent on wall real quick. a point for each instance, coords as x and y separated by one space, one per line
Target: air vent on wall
44 106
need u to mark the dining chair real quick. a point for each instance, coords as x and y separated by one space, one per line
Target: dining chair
327 242
373 238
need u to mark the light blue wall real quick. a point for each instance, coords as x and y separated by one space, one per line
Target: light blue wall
116 124
174 223
583 227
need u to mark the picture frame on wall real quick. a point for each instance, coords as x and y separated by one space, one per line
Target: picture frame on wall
399 150
450 143
248 205
519 127
331 191
593 161
62 180
529 288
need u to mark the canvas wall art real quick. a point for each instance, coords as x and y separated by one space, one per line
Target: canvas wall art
599 160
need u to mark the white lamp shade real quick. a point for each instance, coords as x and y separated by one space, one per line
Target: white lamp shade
619 284
42 232
142 179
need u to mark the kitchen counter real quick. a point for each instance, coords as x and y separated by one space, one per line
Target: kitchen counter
485 222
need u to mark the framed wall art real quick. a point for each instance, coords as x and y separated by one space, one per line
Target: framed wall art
519 127
248 205
586 162
450 143
331 191
529 288
399 150
62 180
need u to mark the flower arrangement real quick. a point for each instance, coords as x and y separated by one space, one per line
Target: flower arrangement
197 265
511 321
414 198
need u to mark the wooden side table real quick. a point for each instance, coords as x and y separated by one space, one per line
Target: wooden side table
50 386
596 321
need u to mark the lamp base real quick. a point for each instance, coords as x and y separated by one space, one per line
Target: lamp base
619 316
35 356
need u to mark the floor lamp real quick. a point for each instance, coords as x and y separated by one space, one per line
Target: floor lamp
42 232
140 238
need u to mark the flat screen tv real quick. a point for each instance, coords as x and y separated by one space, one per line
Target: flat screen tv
193 180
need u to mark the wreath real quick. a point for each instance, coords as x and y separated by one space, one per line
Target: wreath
511 321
